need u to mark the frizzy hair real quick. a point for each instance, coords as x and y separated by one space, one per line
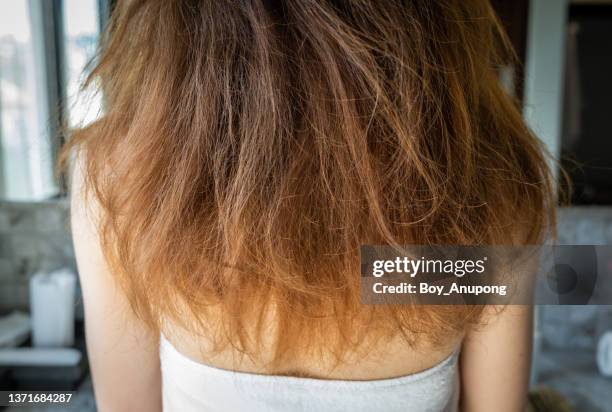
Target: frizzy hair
248 148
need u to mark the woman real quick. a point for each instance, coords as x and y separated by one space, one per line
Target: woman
247 150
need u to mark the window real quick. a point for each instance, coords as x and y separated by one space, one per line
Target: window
44 48
81 32
25 150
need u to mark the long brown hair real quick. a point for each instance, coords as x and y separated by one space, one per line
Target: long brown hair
249 147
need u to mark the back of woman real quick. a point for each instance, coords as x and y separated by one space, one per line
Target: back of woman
248 149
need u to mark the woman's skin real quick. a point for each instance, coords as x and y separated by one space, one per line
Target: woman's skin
124 355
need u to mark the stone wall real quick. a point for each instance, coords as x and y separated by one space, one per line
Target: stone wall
33 237
577 327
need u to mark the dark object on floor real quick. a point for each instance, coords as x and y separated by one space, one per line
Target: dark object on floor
60 378
545 399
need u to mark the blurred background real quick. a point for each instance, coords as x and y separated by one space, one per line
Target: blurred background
563 83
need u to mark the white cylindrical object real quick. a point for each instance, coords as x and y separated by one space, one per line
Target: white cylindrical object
604 354
52 308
